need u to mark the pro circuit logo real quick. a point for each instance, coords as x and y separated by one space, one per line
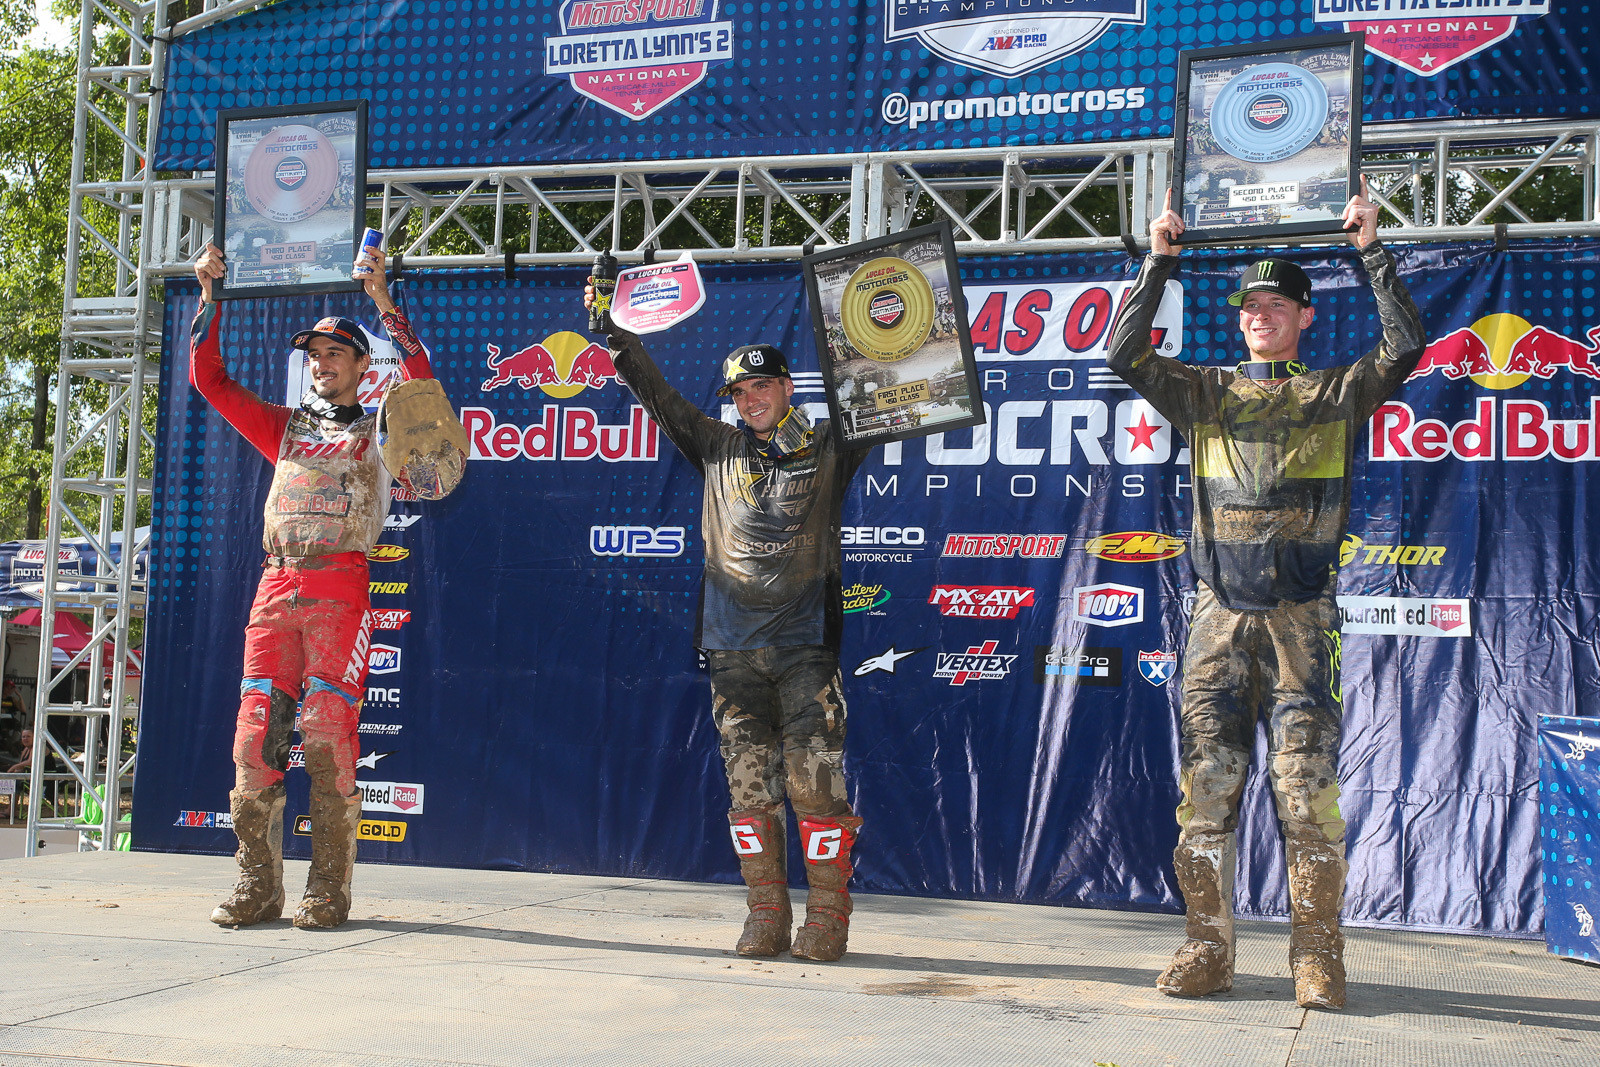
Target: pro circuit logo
637 56
1498 352
1427 45
389 618
1032 34
206 820
981 601
1137 546
977 663
863 597
366 829
1108 604
387 553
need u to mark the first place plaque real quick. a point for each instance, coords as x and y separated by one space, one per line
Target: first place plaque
291 197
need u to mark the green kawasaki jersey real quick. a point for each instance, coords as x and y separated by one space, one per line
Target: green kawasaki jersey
1271 459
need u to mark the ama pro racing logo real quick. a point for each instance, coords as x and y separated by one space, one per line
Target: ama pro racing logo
1007 37
1424 41
637 56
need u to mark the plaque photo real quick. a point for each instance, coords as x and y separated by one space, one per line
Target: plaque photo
1268 139
291 197
892 337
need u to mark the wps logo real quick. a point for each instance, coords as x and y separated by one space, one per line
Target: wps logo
1108 604
387 553
1138 546
1028 38
383 659
637 540
981 601
562 366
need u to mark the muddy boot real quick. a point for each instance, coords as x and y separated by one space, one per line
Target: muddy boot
758 838
333 856
1316 944
827 843
1204 964
258 823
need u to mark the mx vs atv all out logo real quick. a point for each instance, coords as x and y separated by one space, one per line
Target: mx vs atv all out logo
637 56
1007 37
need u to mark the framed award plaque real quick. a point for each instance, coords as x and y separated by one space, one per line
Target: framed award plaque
892 337
1268 139
291 197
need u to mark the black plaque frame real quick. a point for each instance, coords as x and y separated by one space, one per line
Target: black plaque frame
340 252
1185 168
858 422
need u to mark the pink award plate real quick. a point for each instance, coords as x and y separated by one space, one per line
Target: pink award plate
656 297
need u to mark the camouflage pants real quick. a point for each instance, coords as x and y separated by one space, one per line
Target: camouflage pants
780 714
1285 663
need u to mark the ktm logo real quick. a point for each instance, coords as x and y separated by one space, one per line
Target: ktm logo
1136 546
387 553
1502 351
562 365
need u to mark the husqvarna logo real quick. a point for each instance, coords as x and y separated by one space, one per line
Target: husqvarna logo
1007 37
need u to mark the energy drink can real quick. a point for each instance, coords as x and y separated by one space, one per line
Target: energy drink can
603 277
371 241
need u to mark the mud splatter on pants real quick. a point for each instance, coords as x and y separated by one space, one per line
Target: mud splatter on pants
1284 664
306 643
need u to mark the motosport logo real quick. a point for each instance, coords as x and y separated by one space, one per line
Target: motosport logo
642 541
403 797
1136 546
1008 37
1108 604
992 546
383 659
978 663
981 601
1498 352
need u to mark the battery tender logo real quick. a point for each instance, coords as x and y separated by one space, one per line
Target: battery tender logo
637 56
1424 42
1007 37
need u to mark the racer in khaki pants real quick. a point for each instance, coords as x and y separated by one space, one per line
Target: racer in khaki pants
306 642
771 611
1272 446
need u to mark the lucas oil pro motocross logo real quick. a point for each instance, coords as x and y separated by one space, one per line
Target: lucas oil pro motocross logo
1007 37
1429 38
637 56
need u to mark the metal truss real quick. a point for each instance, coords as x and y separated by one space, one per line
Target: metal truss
1438 181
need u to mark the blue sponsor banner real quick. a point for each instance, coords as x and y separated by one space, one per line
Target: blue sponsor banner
485 82
1019 593
1569 836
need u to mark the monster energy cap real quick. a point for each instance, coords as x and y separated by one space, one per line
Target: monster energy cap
752 361
1274 276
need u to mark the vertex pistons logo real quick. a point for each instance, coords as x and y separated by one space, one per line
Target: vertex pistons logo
1424 41
981 601
1007 37
978 663
886 308
637 56
1108 604
1500 352
992 546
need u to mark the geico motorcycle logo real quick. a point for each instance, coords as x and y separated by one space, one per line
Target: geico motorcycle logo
1136 546
1426 41
387 553
562 366
981 601
887 536
1025 322
1498 352
637 540
1007 37
366 829
1387 555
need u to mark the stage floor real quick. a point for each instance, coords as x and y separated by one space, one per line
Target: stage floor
108 958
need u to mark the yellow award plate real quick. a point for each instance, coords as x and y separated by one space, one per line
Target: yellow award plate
887 309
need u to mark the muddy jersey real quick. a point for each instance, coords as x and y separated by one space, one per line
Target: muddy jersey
1271 459
770 522
330 490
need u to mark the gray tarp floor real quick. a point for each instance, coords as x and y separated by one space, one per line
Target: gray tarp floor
108 958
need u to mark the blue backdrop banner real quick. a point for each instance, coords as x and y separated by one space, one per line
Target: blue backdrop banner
535 702
488 82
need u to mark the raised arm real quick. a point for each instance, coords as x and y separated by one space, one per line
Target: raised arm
414 361
261 423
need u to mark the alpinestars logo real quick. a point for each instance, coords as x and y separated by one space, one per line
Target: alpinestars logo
637 56
977 663
1007 37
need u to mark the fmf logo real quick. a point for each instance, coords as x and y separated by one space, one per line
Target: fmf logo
988 546
220 820
1108 604
383 659
389 618
404 797
862 597
981 601
387 553
637 56
962 32
366 829
977 663
1137 546
1078 666
1427 42
388 588
1390 555
637 540
562 366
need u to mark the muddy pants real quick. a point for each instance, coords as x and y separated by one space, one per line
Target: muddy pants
1284 664
306 643
780 714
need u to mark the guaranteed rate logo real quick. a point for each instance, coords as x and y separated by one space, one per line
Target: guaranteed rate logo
637 56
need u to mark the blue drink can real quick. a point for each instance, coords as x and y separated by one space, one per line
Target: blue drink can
371 241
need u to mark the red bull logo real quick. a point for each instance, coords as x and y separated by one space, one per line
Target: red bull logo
562 365
1503 351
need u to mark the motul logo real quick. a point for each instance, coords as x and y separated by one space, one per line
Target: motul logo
1138 546
387 553
981 601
